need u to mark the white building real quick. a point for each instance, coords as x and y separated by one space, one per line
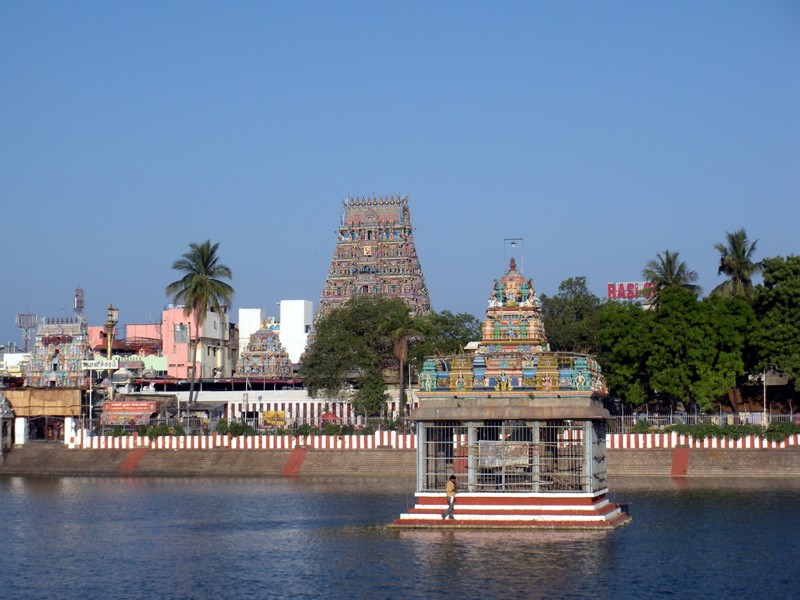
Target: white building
11 363
297 317
296 320
250 321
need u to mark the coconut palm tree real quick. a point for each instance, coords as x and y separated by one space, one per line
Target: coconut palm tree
665 270
200 289
736 261
401 325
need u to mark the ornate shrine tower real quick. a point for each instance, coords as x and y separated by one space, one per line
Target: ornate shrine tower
62 344
520 428
375 254
265 357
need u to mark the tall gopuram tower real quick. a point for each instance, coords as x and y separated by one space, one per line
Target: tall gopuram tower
519 428
375 254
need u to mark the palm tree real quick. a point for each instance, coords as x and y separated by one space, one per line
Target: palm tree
665 270
200 289
401 325
736 261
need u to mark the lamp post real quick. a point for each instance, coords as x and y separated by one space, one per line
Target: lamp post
112 318
764 381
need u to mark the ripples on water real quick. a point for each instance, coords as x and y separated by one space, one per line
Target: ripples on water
280 538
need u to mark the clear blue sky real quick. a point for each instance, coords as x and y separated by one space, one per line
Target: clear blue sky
600 132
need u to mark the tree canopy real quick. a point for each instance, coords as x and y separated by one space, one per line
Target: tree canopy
350 345
736 262
689 351
354 343
777 304
570 317
667 270
445 334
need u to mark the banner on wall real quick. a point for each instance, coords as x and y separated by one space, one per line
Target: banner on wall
128 413
276 418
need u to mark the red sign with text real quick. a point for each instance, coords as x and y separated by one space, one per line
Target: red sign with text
630 290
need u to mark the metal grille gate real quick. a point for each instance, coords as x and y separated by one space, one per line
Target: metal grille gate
513 456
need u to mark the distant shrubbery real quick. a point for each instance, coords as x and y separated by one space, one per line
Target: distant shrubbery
776 432
235 428
238 428
163 429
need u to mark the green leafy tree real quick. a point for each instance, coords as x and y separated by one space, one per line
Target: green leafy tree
624 346
570 317
665 271
689 351
370 398
401 325
777 305
201 288
698 347
350 346
445 334
736 262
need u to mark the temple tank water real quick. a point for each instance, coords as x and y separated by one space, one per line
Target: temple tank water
300 538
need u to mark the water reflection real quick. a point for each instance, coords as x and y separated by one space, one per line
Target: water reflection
276 537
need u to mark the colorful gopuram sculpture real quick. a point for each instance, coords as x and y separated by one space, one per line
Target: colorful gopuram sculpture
62 344
375 254
513 354
519 428
264 357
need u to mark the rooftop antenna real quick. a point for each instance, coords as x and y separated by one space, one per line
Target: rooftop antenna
513 247
26 322
77 301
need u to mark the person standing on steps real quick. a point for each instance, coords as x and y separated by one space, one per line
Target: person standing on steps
450 491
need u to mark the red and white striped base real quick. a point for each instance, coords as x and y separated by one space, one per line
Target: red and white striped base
516 511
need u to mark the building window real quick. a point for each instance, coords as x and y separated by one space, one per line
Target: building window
181 333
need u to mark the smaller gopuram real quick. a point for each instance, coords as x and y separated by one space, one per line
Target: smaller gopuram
264 357
62 344
375 254
520 427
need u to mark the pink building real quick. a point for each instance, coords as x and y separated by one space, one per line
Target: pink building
149 331
216 349
98 340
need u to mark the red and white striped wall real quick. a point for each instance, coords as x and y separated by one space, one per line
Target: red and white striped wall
379 439
393 440
622 441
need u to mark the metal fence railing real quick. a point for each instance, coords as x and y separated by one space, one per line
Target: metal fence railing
627 423
200 426
362 425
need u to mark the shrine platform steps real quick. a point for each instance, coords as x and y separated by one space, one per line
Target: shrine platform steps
516 511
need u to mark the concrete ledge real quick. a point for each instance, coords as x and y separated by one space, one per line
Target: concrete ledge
57 460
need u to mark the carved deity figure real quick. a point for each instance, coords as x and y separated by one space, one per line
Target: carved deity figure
496 329
580 380
499 288
525 290
503 382
427 380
